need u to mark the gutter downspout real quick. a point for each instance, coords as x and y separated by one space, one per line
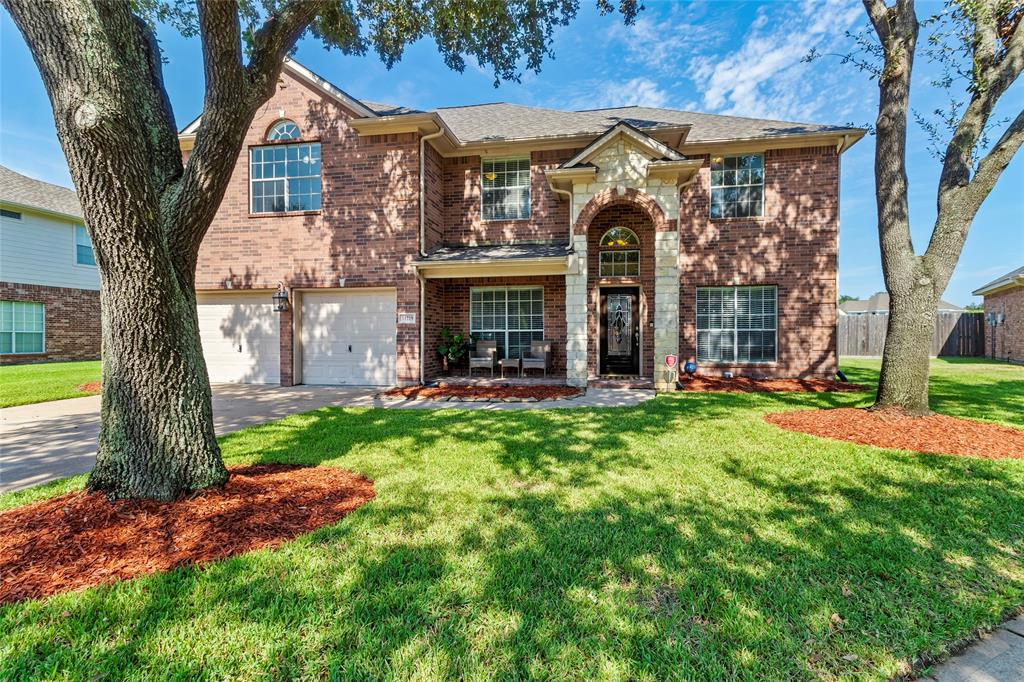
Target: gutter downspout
568 195
423 251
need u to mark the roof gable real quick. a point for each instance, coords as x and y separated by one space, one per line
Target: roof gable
656 149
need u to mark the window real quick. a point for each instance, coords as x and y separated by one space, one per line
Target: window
14 215
285 177
621 262
284 130
83 247
736 324
512 317
506 189
737 186
21 327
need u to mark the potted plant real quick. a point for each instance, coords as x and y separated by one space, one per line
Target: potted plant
453 347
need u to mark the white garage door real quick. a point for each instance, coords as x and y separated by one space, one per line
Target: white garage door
348 337
241 338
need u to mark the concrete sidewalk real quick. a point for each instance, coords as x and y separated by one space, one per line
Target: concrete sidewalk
47 441
997 657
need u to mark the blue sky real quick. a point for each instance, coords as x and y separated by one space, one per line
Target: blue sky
723 57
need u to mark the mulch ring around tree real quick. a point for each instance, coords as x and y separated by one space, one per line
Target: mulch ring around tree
483 393
81 539
91 387
892 428
747 385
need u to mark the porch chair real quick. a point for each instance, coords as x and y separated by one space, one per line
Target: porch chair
538 357
485 354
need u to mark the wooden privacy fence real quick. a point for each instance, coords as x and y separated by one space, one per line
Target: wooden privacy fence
959 334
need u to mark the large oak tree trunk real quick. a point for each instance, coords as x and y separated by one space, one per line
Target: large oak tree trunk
147 215
904 379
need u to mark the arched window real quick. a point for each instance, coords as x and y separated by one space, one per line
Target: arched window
622 258
620 236
283 130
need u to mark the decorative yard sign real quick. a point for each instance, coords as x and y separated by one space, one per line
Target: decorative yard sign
406 318
671 360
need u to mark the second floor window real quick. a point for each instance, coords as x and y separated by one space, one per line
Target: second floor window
285 177
506 189
83 247
737 186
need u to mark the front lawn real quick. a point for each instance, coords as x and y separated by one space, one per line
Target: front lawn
40 383
681 539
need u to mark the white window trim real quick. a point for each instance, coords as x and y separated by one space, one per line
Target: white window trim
286 211
74 247
14 331
529 187
506 330
736 330
764 184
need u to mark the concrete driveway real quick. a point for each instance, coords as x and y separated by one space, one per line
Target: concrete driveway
43 442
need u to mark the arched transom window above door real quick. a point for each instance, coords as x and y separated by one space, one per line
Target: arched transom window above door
619 255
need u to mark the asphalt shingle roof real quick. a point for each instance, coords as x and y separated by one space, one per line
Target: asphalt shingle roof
20 189
503 121
464 254
1007 278
879 303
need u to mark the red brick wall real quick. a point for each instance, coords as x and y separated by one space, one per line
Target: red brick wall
793 246
449 298
549 215
433 207
636 219
1006 341
71 322
366 232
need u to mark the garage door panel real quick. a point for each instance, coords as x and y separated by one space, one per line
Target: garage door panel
240 334
348 338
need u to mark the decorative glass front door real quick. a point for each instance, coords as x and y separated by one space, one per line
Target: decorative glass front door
620 332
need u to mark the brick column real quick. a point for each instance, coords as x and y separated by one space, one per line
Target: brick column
287 348
576 316
666 306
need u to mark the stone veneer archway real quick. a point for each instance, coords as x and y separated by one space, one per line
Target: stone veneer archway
665 311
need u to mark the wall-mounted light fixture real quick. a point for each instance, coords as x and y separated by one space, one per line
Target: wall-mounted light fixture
341 282
280 298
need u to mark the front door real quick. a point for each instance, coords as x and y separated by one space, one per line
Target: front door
620 331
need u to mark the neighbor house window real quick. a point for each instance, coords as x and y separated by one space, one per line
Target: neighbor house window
21 327
737 186
83 247
736 324
7 213
506 189
619 260
285 177
511 317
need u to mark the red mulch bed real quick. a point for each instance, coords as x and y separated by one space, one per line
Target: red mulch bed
539 392
91 387
935 433
747 385
82 539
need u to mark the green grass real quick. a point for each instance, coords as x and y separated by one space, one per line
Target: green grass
27 384
682 539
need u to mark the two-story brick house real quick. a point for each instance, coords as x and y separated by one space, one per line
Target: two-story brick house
622 235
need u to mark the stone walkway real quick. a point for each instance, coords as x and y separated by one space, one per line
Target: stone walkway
997 657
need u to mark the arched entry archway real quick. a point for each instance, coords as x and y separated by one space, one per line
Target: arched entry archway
622 303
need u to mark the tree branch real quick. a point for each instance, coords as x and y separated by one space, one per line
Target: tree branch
233 93
878 13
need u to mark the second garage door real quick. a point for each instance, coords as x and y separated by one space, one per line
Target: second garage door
348 337
241 338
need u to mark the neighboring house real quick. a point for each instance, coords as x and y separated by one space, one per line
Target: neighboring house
49 284
623 235
879 305
1004 316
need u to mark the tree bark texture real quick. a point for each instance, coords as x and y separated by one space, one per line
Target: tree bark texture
915 282
147 215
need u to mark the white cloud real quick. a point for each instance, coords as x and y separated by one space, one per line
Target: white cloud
764 76
660 42
640 91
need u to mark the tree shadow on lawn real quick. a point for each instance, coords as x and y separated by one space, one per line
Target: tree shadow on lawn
559 550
